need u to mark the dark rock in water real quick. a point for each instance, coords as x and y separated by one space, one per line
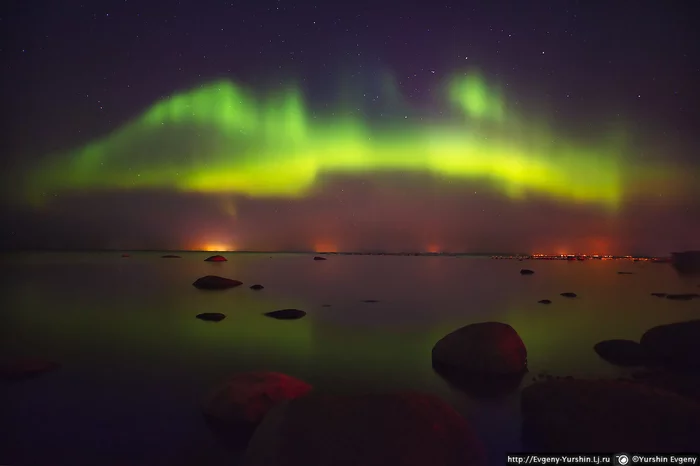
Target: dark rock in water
526 272
484 359
20 369
325 305
686 263
370 300
408 429
682 297
622 352
319 258
625 273
589 416
659 295
568 294
216 258
545 301
256 287
171 256
211 316
236 407
126 255
675 346
286 314
213 282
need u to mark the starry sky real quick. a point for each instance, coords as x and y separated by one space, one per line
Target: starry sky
552 127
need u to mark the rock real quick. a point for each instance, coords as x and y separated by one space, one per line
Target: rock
378 429
319 258
256 287
235 407
488 359
20 369
682 297
370 301
568 294
625 273
659 295
325 305
216 258
213 282
589 416
526 272
545 301
211 316
675 346
286 314
126 255
622 352
170 256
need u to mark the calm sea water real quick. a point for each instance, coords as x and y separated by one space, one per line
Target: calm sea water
136 362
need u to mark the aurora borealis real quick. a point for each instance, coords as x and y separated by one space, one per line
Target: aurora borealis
442 145
272 148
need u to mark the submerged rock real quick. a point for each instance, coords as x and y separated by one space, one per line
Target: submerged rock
20 369
256 287
526 272
211 316
171 256
675 346
213 282
319 258
488 359
216 258
126 255
286 314
404 429
568 294
235 407
587 416
325 305
545 301
370 301
659 295
625 273
683 296
622 352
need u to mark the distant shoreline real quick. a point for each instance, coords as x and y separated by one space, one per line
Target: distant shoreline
497 255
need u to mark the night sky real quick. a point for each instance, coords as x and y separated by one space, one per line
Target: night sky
548 126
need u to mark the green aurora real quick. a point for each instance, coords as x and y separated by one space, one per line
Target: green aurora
221 138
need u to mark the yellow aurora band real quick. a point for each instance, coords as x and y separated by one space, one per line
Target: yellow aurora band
220 138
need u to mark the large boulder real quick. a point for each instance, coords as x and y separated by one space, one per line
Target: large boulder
486 359
238 405
286 314
213 282
371 430
676 346
622 352
593 415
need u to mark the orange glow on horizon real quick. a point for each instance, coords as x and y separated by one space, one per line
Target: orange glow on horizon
434 248
325 247
217 247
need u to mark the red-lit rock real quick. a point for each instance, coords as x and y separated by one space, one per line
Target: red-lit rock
488 348
368 430
241 402
19 369
216 258
593 415
213 282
